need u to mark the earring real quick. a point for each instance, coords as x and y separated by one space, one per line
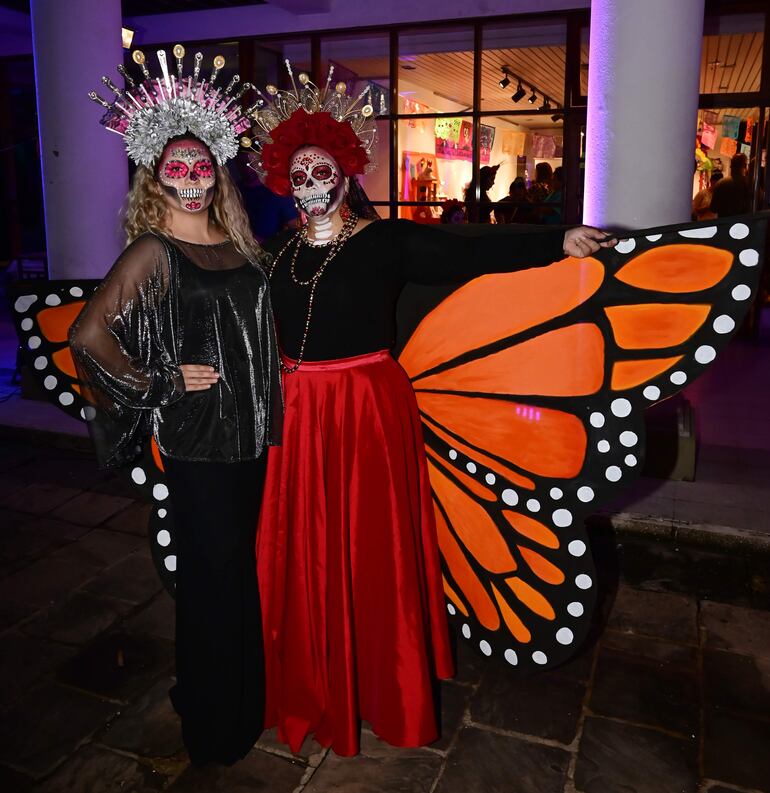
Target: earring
345 211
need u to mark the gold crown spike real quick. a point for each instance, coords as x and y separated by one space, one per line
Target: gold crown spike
179 55
219 63
245 142
197 67
126 76
139 59
236 79
245 87
291 76
328 80
114 88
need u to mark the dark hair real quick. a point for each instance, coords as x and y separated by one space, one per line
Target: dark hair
738 163
558 174
359 202
543 172
716 176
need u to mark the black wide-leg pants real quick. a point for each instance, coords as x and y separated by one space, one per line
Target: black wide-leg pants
219 693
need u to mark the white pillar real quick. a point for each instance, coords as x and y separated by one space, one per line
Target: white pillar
643 83
85 172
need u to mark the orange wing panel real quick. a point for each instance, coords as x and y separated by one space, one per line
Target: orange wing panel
473 485
472 523
517 628
63 360
464 576
541 567
531 598
565 362
677 268
655 325
544 441
453 596
156 454
500 306
532 529
55 322
627 374
482 459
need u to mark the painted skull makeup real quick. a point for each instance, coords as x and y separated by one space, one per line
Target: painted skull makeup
187 175
317 183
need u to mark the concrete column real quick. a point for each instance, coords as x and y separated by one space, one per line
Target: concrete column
85 171
643 77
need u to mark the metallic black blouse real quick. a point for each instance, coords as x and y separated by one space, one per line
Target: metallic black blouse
165 303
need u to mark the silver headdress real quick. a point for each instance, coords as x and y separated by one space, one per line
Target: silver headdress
270 111
154 110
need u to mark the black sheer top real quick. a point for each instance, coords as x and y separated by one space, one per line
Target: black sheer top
165 303
355 302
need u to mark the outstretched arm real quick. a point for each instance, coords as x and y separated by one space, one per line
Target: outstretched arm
434 255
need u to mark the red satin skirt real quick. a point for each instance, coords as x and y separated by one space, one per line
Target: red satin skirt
348 562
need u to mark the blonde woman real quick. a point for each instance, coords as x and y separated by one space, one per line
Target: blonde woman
178 342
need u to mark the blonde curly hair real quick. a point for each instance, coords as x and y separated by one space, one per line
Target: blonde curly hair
146 210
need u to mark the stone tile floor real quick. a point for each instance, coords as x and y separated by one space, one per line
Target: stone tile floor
671 696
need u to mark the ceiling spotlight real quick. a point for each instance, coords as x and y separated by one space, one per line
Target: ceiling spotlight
505 82
520 93
546 104
557 117
532 98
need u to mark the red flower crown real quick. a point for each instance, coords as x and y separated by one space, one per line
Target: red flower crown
310 129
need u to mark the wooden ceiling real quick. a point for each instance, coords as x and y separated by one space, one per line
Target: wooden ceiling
731 63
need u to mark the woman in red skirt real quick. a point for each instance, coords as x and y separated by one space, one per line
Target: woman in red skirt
347 554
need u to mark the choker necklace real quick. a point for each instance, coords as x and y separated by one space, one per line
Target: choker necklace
299 239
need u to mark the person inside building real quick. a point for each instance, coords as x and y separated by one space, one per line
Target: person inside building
701 204
732 196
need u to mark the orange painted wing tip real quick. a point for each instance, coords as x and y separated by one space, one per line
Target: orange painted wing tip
677 268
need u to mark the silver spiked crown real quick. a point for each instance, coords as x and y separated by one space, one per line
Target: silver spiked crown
151 111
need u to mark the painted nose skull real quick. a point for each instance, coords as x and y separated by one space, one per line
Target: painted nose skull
315 181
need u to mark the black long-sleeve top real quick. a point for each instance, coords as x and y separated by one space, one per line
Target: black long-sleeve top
166 303
355 303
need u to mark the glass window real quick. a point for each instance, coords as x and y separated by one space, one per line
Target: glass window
269 58
522 65
435 70
731 58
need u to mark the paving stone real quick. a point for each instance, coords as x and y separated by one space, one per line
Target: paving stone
134 519
741 630
622 758
9 484
635 689
655 614
48 580
79 619
310 752
65 469
13 612
662 567
13 782
737 682
21 544
25 660
157 619
134 579
149 727
454 703
118 665
672 655
91 508
118 484
736 750
98 770
58 530
542 705
47 725
15 453
379 768
257 772
469 664
483 762
580 667
39 498
107 547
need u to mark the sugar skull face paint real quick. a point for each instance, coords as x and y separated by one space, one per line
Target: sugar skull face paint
187 175
317 183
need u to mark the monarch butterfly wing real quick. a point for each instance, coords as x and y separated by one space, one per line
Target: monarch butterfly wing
43 314
533 416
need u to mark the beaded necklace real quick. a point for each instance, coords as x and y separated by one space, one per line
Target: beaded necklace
300 239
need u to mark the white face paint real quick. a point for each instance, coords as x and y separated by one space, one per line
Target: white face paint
317 185
187 175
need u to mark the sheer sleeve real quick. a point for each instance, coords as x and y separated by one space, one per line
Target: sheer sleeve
455 254
271 371
117 343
